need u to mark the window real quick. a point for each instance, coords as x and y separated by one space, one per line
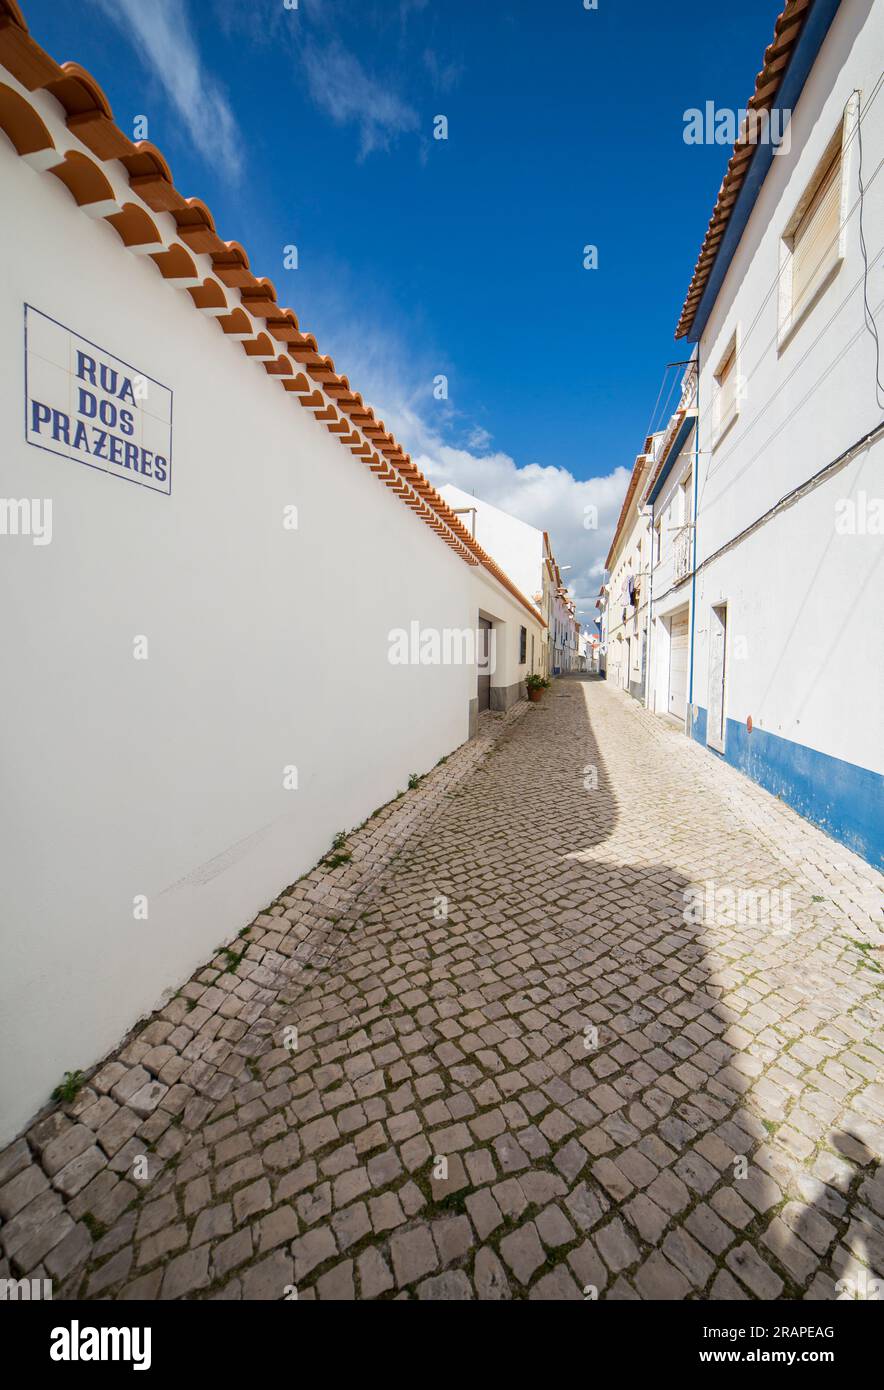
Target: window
815 239
726 396
523 645
813 243
658 539
686 485
716 723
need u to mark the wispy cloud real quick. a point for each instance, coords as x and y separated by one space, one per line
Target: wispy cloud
409 7
443 75
479 439
340 86
161 32
338 83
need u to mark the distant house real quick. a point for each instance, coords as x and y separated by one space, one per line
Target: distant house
627 564
525 553
668 507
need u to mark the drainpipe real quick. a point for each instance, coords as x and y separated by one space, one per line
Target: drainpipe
694 561
650 627
462 511
606 622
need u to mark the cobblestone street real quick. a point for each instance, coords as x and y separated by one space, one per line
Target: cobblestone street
486 1056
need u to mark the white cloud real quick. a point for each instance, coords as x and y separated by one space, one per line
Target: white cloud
544 496
162 35
479 439
395 375
340 86
338 83
443 76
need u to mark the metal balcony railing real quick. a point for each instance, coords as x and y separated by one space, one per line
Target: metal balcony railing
677 560
683 548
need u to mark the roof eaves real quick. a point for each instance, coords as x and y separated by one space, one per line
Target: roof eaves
798 34
638 468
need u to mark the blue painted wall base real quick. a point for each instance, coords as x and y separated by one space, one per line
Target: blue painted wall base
844 800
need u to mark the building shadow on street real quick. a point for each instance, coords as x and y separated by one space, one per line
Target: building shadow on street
710 1161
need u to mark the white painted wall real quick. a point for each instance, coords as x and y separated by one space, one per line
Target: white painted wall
804 626
165 777
516 546
668 594
631 557
805 599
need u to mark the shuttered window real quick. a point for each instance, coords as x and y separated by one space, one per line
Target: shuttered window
815 239
686 499
726 382
812 247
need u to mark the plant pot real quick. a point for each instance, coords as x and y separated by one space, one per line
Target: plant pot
534 696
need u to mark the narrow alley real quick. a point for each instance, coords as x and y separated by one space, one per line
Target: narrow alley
511 1041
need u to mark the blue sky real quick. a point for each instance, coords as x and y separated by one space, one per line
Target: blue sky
420 257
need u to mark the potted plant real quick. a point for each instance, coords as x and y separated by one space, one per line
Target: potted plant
535 685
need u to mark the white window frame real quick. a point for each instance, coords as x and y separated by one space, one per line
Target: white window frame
712 741
842 137
686 494
733 348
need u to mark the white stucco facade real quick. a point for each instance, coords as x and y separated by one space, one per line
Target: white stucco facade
786 662
516 546
525 554
669 540
628 564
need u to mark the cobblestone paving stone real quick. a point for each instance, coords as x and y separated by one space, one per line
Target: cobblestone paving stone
517 1072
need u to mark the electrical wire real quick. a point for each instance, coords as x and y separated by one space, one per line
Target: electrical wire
858 206
657 401
738 442
663 414
747 334
855 133
867 311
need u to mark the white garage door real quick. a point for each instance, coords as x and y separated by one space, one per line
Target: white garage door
678 664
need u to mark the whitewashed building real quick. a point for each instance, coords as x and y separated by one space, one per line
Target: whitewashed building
668 510
181 470
627 566
601 623
521 552
526 555
563 633
767 610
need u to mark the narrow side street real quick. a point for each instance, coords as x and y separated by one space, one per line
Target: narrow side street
517 1070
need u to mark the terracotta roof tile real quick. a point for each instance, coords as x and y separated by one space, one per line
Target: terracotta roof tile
83 179
787 31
